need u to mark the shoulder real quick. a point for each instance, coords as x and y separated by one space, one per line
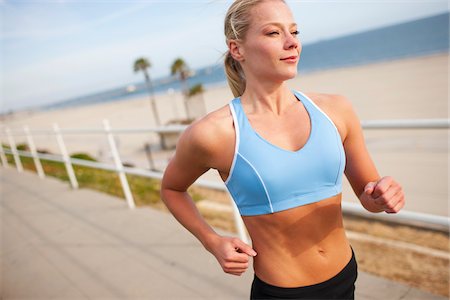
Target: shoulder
205 136
338 108
196 151
207 130
334 103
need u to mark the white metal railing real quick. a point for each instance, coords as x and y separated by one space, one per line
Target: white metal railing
161 129
407 124
353 208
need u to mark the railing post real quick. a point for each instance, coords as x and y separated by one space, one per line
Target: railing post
239 223
37 162
66 158
3 157
12 145
119 166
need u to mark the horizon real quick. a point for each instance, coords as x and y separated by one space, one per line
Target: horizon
75 67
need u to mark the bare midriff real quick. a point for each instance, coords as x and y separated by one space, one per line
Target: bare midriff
300 246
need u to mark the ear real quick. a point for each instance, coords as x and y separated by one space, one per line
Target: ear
236 50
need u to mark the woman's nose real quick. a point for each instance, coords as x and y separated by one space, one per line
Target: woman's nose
291 41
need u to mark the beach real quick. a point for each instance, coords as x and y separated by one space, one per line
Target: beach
407 88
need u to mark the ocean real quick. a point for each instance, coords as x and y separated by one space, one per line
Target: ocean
416 38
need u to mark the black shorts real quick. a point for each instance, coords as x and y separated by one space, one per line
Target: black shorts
340 286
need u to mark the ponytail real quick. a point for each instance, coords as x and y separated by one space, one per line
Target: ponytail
235 75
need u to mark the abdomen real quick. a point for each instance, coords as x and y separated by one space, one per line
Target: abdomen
300 246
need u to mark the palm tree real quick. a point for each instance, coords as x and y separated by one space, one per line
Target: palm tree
180 67
196 91
142 64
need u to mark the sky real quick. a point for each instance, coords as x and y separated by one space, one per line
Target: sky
52 51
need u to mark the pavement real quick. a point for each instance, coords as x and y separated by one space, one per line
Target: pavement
59 243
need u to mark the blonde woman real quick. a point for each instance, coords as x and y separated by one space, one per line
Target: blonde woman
282 155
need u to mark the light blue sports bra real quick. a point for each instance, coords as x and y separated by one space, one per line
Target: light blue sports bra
265 178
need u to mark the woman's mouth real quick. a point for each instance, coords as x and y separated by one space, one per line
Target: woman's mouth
290 59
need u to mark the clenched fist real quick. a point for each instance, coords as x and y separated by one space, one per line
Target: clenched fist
232 254
383 195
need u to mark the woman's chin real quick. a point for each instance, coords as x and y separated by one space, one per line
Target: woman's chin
290 75
290 72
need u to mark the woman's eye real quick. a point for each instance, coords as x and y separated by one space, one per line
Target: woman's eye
277 33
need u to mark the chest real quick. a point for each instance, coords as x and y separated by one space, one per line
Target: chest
289 132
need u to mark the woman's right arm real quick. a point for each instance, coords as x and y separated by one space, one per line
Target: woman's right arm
194 151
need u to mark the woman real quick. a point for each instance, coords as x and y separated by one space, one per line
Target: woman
282 155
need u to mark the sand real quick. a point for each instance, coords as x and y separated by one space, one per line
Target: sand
406 88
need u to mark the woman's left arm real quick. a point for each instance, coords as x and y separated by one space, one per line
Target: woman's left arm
376 193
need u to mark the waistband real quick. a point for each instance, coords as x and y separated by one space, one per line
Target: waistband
347 274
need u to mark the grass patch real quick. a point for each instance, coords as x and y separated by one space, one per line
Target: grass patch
146 191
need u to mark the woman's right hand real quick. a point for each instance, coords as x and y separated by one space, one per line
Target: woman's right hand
231 253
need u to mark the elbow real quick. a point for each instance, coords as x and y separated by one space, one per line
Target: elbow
164 194
166 197
161 195
170 196
164 191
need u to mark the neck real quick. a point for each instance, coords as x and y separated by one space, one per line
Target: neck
272 98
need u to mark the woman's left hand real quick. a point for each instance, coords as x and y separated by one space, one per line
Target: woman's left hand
383 195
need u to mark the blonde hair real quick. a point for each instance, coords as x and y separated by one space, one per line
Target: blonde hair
237 22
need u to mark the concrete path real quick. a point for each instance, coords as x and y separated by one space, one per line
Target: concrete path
59 243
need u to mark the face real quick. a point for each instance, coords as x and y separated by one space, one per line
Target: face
270 49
